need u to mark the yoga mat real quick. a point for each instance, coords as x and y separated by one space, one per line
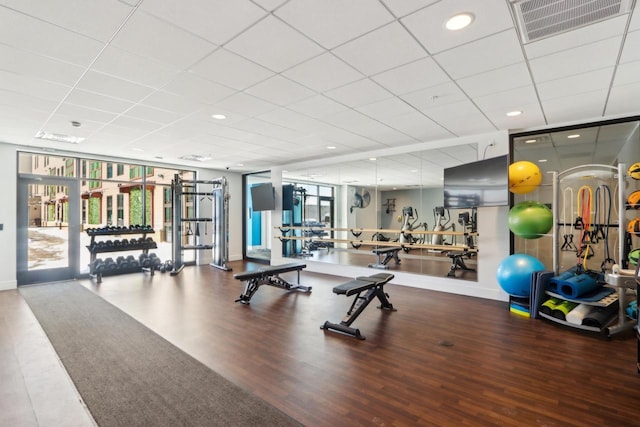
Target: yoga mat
576 316
537 293
599 317
561 310
576 286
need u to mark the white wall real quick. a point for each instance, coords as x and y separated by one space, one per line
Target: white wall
8 180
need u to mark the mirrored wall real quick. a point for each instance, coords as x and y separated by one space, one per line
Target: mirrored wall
380 212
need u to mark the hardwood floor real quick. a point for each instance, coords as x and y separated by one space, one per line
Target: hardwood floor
439 360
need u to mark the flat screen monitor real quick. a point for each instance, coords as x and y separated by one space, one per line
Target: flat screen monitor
263 197
477 184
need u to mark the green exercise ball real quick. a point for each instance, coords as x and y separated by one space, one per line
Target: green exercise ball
530 220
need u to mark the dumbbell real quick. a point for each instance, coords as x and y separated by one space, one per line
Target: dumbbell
168 265
144 260
98 266
110 264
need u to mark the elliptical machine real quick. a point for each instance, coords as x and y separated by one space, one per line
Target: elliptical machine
442 219
409 224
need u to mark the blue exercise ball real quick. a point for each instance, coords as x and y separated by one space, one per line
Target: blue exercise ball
514 274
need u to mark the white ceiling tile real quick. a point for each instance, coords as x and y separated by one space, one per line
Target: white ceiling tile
30 34
148 36
359 93
530 117
274 45
631 48
32 65
280 91
411 77
115 87
508 100
245 104
294 120
575 107
317 106
491 16
333 22
189 85
97 101
589 57
215 20
323 72
267 129
21 100
137 126
386 108
489 53
505 78
434 97
270 4
94 18
82 114
60 123
418 126
401 8
381 50
578 37
134 68
460 118
231 70
572 85
634 23
627 73
151 114
623 100
170 102
32 86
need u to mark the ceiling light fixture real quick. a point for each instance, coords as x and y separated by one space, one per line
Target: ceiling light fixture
195 158
530 141
542 160
572 136
331 147
373 159
459 21
59 137
514 113
218 116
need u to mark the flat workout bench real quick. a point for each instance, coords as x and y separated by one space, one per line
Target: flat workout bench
269 276
389 254
373 286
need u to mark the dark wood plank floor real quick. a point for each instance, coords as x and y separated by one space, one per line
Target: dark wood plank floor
440 360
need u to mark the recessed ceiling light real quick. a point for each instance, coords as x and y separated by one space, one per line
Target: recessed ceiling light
530 141
514 113
331 147
575 135
414 170
542 160
218 116
373 159
239 164
59 137
459 21
195 157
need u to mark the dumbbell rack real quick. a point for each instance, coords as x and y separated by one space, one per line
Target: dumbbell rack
98 247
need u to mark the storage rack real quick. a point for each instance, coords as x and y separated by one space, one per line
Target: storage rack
216 190
97 247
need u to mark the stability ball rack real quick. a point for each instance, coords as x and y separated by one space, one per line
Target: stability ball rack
198 190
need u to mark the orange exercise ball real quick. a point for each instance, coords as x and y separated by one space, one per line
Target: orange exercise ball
524 177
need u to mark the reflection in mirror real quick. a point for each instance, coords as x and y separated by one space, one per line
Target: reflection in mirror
258 204
381 213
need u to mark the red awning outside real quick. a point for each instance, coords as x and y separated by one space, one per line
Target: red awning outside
126 188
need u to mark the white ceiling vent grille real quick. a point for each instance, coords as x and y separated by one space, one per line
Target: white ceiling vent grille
538 19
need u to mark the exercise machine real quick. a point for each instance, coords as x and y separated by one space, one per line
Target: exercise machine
269 276
442 219
468 223
372 287
409 224
384 256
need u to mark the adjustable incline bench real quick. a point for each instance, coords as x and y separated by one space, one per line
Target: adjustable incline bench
389 254
269 276
373 287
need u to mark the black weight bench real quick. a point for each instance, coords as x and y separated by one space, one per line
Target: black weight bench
269 276
457 262
372 286
389 254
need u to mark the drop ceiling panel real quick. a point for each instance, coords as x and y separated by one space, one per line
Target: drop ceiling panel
572 85
627 73
215 20
94 18
33 35
280 91
270 5
589 57
428 24
81 114
152 114
231 70
318 106
435 97
420 74
418 126
32 86
107 85
267 129
293 120
381 50
624 100
359 93
531 114
323 72
497 80
20 100
508 100
32 65
490 53
634 23
460 118
631 48
191 86
575 107
134 68
171 102
274 45
245 104
150 37
401 8
386 108
333 22
138 127
579 37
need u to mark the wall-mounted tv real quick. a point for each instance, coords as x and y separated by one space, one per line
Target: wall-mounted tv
477 184
263 197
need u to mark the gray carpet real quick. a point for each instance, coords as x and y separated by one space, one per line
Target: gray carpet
130 376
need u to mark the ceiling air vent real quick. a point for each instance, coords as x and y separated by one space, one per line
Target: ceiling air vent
538 19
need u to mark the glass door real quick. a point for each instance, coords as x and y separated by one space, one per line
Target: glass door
48 234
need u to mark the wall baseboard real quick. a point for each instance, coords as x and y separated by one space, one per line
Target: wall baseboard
10 284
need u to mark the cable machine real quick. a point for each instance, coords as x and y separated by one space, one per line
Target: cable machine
185 192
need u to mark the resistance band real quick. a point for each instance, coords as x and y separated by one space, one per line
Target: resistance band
567 233
585 207
603 220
